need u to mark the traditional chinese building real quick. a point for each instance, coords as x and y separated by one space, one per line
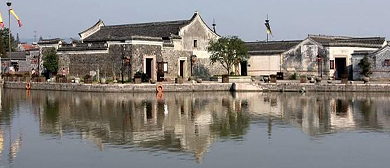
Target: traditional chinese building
317 55
161 50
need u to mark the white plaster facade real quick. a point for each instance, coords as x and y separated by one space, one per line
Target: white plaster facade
264 64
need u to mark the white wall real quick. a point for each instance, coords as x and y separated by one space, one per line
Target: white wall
343 52
264 65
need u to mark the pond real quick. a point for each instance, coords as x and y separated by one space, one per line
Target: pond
214 129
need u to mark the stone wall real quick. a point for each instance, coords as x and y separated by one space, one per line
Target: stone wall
81 64
296 87
130 88
303 60
173 58
139 54
381 67
203 68
379 63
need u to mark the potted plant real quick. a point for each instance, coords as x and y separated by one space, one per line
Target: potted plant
88 79
273 78
366 79
303 79
61 78
318 79
365 65
225 78
199 80
266 79
191 78
8 77
179 80
137 77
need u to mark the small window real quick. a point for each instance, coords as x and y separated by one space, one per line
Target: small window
195 43
165 67
331 64
386 63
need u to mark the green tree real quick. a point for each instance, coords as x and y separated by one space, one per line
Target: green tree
228 51
2 48
5 41
50 60
365 65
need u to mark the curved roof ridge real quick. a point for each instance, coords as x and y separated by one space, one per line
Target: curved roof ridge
149 24
270 42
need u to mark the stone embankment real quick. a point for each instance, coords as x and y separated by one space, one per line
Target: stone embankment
203 87
306 87
133 88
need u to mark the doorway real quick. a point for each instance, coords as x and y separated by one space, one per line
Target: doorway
149 68
244 68
341 67
160 71
182 68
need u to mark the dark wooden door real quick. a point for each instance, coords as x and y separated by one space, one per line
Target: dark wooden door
160 71
341 67
244 68
149 68
182 68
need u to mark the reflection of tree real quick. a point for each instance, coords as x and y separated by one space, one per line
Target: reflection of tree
51 111
50 117
365 107
6 111
235 123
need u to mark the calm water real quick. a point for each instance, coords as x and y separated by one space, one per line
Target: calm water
65 129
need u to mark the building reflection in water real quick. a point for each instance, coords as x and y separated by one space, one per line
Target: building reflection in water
191 122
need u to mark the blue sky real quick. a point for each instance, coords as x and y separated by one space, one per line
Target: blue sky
290 19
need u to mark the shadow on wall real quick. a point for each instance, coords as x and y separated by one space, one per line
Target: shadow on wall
201 71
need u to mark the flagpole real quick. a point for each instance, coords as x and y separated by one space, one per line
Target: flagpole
267 21
9 34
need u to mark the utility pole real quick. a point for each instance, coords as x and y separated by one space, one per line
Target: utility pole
9 3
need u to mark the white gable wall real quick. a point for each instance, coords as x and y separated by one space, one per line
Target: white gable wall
199 31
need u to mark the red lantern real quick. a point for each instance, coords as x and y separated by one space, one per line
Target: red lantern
193 58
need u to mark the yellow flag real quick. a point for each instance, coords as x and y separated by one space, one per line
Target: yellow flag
1 21
16 17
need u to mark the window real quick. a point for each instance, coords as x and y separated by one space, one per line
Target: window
331 64
195 43
386 63
162 67
165 67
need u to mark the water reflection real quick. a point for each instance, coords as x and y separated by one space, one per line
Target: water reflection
187 122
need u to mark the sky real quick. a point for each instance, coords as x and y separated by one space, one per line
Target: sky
290 19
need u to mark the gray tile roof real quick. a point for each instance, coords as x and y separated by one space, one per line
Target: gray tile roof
50 41
83 47
128 31
344 41
20 55
271 47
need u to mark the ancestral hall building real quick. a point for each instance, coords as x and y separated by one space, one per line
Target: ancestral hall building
161 50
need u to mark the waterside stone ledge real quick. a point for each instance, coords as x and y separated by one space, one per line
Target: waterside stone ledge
203 87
